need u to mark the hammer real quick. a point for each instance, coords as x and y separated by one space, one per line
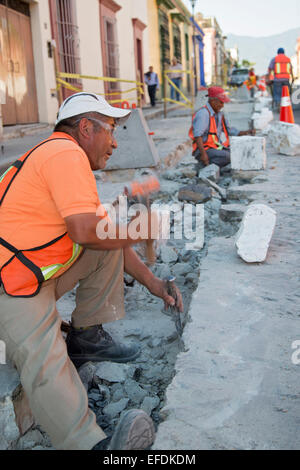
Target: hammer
141 190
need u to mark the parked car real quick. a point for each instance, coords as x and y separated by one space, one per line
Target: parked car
238 77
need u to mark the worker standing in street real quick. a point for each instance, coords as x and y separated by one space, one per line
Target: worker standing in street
281 70
151 80
210 131
176 77
252 82
49 217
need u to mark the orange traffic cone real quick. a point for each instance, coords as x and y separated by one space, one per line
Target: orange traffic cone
286 110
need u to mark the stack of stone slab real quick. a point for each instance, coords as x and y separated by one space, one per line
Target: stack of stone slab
262 115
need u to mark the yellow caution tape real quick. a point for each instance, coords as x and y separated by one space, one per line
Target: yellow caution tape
90 77
189 103
185 105
178 71
73 88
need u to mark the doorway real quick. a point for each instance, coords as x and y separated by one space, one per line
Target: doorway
19 75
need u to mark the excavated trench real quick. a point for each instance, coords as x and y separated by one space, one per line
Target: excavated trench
143 383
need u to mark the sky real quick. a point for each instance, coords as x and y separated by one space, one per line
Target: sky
251 18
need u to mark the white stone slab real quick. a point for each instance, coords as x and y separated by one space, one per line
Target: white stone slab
285 138
255 233
262 119
248 153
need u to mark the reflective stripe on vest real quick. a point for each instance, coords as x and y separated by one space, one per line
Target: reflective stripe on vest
50 271
212 139
24 273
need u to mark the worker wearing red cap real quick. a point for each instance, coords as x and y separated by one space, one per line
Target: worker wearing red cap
210 131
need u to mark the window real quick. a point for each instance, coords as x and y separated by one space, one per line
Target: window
68 47
164 38
112 52
177 42
65 32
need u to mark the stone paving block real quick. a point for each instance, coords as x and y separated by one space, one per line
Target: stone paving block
255 234
198 193
285 138
232 212
262 119
248 153
212 172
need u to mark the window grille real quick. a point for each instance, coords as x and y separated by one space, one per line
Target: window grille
177 42
112 52
164 38
68 47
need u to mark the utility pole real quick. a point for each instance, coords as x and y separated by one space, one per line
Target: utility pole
193 3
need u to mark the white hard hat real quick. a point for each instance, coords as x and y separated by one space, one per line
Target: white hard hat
80 103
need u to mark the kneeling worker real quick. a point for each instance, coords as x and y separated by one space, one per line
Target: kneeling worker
49 243
210 131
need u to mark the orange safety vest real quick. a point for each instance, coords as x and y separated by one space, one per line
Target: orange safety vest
283 67
262 85
25 272
212 141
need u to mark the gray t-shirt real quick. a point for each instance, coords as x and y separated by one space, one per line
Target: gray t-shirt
202 120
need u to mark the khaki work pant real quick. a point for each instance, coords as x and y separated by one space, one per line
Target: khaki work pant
35 345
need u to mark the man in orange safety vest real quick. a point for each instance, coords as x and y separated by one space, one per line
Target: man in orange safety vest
282 71
210 131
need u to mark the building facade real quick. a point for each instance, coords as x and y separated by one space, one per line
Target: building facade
111 38
215 54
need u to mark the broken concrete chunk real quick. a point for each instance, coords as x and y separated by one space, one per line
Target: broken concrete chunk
112 371
114 409
198 193
217 188
285 138
149 404
168 254
15 415
262 120
134 392
232 212
212 172
248 153
181 269
254 236
86 372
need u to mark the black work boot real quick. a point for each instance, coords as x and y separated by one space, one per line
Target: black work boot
135 431
96 345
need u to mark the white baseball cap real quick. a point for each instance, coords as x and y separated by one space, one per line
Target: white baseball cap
80 103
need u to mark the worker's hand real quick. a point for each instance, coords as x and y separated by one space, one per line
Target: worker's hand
252 132
158 287
205 159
